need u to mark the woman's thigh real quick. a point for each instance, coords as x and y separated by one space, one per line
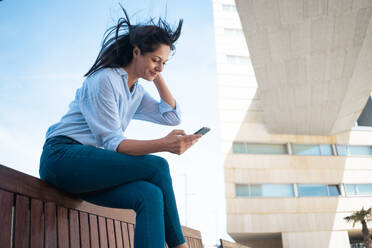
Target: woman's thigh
129 196
79 168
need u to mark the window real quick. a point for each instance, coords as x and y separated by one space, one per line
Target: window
351 150
314 150
318 190
233 59
264 190
228 7
234 32
358 189
239 147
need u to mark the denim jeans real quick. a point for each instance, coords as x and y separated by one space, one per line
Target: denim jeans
141 183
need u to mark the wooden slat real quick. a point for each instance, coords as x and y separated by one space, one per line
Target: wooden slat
131 234
102 232
110 233
74 229
63 239
84 230
37 224
118 234
93 226
200 243
6 203
39 189
22 222
124 229
50 225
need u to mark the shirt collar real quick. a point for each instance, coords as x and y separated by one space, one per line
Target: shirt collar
124 74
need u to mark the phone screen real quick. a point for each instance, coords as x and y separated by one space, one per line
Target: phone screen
203 130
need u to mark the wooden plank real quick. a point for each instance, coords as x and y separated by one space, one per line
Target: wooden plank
40 189
63 239
118 234
102 232
6 204
200 243
131 234
84 230
74 228
37 224
125 230
110 233
22 222
50 225
93 226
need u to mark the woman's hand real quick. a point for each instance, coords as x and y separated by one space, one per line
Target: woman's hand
163 90
178 142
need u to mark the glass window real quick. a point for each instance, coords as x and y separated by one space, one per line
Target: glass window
264 190
334 190
239 147
317 150
350 150
277 190
364 189
241 190
233 32
233 59
255 190
360 150
267 149
350 189
228 7
312 190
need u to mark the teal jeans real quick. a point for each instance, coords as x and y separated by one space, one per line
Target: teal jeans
112 179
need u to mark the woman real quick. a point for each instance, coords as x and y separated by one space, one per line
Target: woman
86 152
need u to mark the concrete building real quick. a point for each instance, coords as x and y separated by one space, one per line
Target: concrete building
294 77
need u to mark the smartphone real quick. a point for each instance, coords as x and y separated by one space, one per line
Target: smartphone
203 130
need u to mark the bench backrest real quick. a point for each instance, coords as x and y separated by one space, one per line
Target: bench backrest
228 244
35 214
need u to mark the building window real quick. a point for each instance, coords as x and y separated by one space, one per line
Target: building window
236 60
312 150
351 150
318 190
229 7
264 190
233 32
239 147
358 189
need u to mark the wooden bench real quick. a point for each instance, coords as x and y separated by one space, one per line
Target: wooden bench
35 214
228 244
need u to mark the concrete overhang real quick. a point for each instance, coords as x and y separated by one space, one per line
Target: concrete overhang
312 60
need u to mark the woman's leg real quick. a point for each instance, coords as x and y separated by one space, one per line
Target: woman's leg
78 168
147 200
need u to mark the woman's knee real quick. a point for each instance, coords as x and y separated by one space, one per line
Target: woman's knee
161 164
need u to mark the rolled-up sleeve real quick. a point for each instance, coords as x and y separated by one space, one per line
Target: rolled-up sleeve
160 113
100 110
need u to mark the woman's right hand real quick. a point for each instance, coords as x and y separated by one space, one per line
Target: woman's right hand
178 141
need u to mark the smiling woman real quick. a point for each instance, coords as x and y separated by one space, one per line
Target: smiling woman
86 153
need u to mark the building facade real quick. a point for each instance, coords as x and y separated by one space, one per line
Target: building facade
283 190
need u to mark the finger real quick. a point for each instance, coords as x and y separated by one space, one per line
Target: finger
178 132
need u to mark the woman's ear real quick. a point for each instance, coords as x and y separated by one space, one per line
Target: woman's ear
136 52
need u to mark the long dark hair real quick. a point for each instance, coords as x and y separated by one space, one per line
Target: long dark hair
119 41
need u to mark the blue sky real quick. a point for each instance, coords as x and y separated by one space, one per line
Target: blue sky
47 46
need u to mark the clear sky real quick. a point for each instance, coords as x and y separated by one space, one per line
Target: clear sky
47 46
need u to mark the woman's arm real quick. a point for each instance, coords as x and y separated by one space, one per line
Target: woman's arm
175 142
163 90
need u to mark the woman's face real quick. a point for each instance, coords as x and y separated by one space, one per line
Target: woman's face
149 65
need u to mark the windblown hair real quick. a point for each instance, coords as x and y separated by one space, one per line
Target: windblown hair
119 41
